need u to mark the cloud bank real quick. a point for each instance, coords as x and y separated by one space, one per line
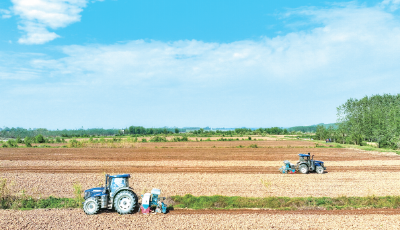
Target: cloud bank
293 79
354 43
37 16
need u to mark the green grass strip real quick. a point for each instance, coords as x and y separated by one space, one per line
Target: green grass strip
284 203
225 202
28 203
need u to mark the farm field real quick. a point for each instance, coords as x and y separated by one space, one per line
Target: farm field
207 168
75 219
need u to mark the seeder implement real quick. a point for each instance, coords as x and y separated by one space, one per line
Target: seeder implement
288 168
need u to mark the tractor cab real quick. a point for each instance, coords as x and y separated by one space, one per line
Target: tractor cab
116 182
304 157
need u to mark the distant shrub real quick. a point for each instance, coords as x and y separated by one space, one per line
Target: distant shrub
253 146
58 140
27 141
73 143
144 140
40 139
178 139
12 144
158 139
116 139
249 138
4 145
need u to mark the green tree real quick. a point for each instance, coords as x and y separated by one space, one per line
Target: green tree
374 118
40 139
28 141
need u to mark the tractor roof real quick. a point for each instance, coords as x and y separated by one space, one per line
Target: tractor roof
303 155
121 176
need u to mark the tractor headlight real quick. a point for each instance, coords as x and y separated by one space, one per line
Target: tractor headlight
87 195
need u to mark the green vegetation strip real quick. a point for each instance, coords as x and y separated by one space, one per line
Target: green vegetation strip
224 202
284 203
27 203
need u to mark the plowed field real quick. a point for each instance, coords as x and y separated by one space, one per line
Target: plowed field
203 168
76 219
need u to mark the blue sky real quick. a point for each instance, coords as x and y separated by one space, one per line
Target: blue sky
116 63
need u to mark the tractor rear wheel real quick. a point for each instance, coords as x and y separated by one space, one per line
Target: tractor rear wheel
303 169
91 206
125 202
319 170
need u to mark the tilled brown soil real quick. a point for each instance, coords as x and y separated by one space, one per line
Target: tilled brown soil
180 169
167 154
281 212
198 168
261 142
76 219
227 184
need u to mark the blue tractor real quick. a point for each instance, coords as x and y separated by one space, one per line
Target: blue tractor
306 165
115 194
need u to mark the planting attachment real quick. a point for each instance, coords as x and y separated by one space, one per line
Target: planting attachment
288 167
152 199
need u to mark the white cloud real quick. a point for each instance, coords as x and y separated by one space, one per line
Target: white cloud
36 16
391 4
354 45
292 79
15 66
5 13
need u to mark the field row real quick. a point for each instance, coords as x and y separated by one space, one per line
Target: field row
194 154
187 163
112 167
227 184
76 219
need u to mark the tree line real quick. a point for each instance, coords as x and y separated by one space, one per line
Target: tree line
21 132
370 119
133 130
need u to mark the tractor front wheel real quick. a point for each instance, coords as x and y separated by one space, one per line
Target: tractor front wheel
320 169
125 202
91 206
303 169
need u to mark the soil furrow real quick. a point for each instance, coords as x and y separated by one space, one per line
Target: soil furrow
165 169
